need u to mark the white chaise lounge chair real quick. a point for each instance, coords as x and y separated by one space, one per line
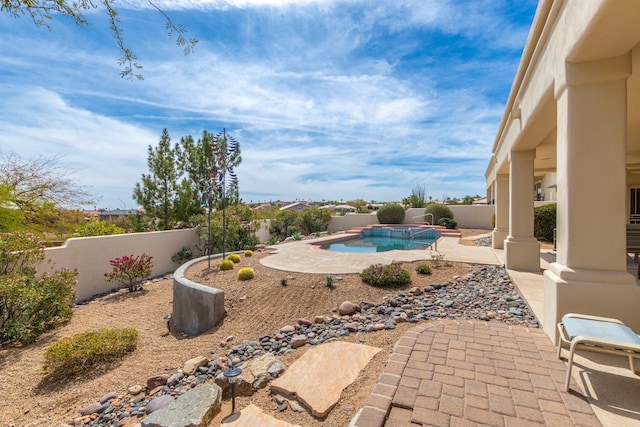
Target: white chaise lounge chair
599 334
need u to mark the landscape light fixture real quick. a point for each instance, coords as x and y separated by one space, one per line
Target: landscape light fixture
231 375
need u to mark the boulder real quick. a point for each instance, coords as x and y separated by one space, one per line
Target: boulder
347 307
195 408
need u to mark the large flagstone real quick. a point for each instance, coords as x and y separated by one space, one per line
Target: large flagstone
252 416
318 377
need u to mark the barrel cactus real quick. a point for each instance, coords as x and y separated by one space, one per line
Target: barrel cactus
246 273
226 265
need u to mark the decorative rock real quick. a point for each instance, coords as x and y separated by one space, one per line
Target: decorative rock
295 406
91 408
192 364
351 327
196 407
347 307
158 403
108 396
157 380
134 389
287 329
366 305
175 379
298 341
320 319
256 373
305 322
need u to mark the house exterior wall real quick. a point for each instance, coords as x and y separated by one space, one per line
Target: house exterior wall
572 103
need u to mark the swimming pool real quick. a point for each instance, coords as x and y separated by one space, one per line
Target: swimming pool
382 239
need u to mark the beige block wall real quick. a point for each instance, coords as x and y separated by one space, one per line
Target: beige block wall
91 255
351 220
467 216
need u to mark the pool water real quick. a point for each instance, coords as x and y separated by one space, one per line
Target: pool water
382 239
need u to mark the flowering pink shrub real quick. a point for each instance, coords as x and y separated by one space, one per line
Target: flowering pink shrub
385 275
130 270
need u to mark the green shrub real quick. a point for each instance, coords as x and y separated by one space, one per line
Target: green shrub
314 220
392 213
385 275
33 305
226 265
423 269
30 304
235 258
96 227
296 235
544 221
130 270
184 254
438 211
19 251
448 223
284 225
273 240
248 253
246 273
85 351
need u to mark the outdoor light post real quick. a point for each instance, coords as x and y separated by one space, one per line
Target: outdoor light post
232 375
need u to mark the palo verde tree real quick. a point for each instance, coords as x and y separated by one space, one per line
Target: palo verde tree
42 12
33 192
159 188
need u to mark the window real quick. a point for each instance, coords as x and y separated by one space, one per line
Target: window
634 206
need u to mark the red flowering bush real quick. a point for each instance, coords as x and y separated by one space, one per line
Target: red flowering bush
385 275
130 270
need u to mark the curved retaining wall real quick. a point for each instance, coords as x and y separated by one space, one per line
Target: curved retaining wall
196 308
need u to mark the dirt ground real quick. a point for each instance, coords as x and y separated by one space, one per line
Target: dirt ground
255 307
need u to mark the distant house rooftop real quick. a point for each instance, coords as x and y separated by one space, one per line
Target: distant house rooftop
297 206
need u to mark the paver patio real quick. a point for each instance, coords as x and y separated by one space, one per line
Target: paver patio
449 373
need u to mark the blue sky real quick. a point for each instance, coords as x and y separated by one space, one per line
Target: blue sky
329 99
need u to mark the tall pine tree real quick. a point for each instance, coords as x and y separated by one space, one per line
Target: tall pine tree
158 191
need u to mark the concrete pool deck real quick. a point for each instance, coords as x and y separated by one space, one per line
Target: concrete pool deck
304 256
605 381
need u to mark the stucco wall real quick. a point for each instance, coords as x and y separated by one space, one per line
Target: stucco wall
91 255
351 220
196 308
467 216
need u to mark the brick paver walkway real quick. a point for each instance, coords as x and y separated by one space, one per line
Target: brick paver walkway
450 373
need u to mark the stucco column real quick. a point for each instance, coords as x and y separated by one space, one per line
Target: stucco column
522 250
590 274
501 230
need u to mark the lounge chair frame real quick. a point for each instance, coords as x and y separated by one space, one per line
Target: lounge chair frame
595 344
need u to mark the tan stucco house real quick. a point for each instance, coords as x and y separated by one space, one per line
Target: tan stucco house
570 133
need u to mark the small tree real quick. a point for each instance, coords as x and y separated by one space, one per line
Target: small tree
130 270
158 191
